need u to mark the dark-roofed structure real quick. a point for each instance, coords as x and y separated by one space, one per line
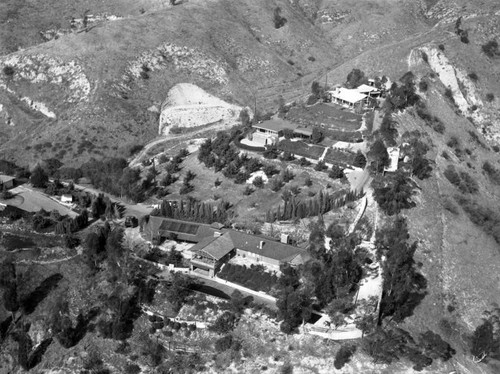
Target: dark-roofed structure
160 228
6 181
216 245
211 253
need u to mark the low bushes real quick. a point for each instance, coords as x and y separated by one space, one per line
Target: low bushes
492 172
482 216
462 180
254 277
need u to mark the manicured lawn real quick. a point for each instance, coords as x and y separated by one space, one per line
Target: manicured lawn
302 149
329 115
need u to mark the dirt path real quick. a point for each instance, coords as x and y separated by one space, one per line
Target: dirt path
136 161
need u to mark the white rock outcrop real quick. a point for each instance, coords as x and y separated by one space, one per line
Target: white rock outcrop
187 105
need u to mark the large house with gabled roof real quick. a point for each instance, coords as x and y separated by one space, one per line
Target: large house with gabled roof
216 245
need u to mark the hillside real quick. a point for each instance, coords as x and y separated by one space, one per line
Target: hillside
135 72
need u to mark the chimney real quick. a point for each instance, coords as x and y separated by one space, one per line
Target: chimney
261 244
284 238
217 234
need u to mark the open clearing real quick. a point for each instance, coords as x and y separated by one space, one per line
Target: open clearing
327 115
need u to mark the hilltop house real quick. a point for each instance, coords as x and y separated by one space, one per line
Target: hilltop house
211 253
350 98
215 244
6 181
268 132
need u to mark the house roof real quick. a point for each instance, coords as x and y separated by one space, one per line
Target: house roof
345 94
364 88
6 178
303 131
277 125
191 231
270 249
216 248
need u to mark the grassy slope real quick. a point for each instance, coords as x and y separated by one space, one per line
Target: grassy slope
244 30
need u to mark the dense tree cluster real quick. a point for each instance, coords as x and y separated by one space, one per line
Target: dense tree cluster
388 129
404 286
223 156
394 192
404 95
195 210
379 156
356 78
294 300
461 179
485 217
391 344
321 203
485 341
416 150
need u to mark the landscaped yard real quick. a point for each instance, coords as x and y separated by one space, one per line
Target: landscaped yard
254 277
330 115
302 149
339 157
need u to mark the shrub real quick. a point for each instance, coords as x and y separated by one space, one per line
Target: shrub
359 160
491 49
320 166
258 182
304 162
448 93
422 86
425 57
132 369
343 356
248 190
441 47
473 76
8 71
492 172
279 21
490 97
462 180
482 216
336 172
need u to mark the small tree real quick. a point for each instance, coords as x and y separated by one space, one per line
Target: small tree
258 182
491 49
39 178
343 356
279 21
336 172
317 135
